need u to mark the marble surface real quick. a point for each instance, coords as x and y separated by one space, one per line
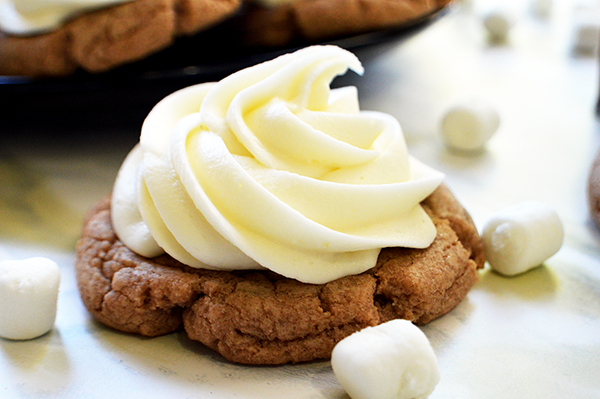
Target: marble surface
532 336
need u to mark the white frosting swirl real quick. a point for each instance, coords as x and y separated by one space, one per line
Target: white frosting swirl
26 17
270 168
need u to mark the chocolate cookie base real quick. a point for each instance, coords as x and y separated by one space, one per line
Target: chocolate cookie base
259 317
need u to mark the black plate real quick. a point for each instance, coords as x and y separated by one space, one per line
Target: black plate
124 96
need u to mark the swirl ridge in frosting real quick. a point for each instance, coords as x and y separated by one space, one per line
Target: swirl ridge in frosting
270 168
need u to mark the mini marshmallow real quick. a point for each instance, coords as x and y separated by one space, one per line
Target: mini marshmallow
542 8
28 297
469 125
391 361
522 237
498 25
586 38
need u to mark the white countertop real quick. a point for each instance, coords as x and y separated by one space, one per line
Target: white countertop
532 336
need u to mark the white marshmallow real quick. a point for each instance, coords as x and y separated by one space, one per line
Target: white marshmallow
586 38
542 8
469 125
391 361
28 297
498 25
522 237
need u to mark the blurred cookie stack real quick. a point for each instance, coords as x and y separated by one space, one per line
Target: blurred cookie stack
59 37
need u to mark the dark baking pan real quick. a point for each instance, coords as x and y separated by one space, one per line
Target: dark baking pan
124 96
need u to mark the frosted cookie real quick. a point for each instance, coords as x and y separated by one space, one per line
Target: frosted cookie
298 217
102 39
315 20
258 317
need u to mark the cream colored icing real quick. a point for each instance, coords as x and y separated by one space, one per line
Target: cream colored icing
27 17
270 168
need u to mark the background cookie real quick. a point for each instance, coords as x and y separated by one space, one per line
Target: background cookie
593 189
258 317
100 40
313 20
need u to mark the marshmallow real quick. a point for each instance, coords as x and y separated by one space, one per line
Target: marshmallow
522 237
498 25
542 8
392 360
586 38
28 297
469 125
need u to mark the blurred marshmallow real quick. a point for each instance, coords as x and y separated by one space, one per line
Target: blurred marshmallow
469 125
586 38
498 24
542 8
